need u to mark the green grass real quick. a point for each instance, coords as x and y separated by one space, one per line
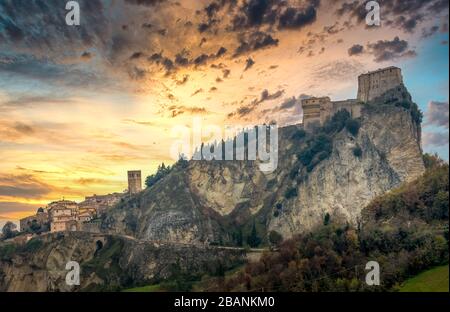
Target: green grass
149 288
434 280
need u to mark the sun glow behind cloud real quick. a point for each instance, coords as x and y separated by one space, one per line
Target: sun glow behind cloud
79 109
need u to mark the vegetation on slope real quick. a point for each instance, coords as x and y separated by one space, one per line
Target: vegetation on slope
405 231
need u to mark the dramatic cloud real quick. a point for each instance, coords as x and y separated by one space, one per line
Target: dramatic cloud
25 186
254 41
14 207
437 114
355 50
387 50
404 15
247 109
249 63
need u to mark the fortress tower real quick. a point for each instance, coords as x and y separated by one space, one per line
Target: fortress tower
317 110
375 83
134 181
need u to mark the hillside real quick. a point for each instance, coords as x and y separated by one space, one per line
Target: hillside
175 230
334 171
405 231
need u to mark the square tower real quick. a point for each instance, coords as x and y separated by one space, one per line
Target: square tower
375 83
134 181
316 111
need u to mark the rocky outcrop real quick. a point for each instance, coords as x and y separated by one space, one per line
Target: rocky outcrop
344 184
209 200
106 262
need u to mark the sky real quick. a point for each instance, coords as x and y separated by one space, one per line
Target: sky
81 105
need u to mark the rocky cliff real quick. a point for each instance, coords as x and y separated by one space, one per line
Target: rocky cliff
209 201
333 172
106 262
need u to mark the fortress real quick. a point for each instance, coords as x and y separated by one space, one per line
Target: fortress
317 110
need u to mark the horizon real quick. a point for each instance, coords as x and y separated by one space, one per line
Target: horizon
79 106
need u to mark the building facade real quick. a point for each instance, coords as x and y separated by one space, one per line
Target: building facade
63 216
375 83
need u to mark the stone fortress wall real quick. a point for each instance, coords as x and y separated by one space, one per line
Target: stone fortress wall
317 110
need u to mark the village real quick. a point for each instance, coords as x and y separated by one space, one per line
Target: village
66 215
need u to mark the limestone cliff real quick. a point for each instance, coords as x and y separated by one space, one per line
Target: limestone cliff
106 262
209 200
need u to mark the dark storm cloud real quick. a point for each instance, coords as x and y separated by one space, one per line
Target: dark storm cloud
405 15
296 18
437 114
254 41
355 49
249 108
50 31
182 59
387 50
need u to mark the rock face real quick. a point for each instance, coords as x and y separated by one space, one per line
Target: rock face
215 201
106 262
344 184
208 200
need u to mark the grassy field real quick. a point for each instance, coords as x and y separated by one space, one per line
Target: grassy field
434 280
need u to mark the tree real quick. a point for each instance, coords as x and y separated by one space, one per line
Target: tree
352 126
35 227
160 174
253 240
239 238
9 230
357 151
275 238
326 219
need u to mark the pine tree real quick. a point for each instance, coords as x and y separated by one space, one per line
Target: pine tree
253 240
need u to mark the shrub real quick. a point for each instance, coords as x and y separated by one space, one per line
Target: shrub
275 238
290 193
305 157
253 239
294 172
299 134
326 219
337 122
404 104
271 183
352 126
160 173
357 151
321 143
